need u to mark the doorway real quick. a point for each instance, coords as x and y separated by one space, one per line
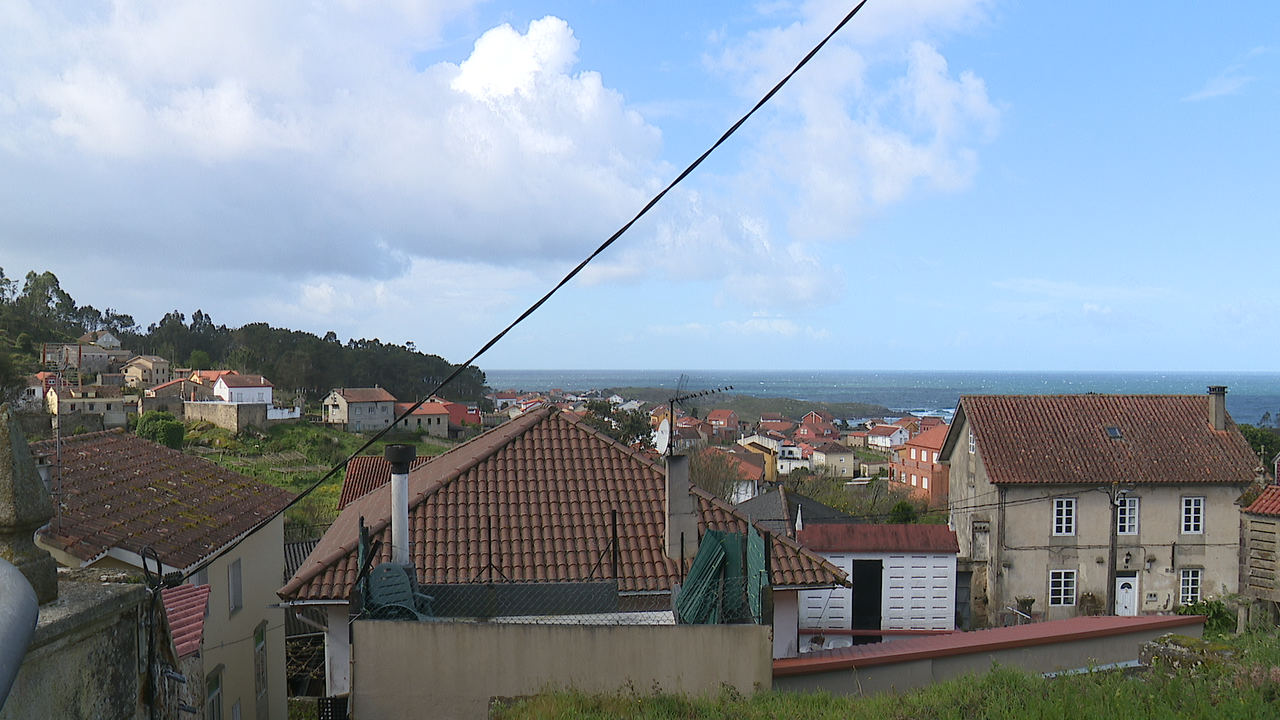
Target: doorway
868 589
1127 593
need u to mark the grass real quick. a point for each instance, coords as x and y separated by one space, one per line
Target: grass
263 454
1248 686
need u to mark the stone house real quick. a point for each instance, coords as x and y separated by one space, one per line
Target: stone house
102 401
359 409
122 495
1259 565
1079 504
146 371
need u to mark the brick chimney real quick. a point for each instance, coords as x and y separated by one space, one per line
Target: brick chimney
1218 407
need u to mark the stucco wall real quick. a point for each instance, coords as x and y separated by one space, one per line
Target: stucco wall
912 674
451 670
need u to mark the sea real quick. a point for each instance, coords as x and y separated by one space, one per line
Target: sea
1250 395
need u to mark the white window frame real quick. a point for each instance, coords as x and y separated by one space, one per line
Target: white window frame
235 587
973 442
1062 588
1127 516
1064 517
913 453
1190 583
1193 515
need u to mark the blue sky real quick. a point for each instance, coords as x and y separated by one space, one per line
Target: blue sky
951 184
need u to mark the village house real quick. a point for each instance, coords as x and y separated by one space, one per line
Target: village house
102 338
836 459
1260 555
237 388
917 465
430 417
359 409
146 371
1077 504
488 511
887 437
724 422
122 496
101 401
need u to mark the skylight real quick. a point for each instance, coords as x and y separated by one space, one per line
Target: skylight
1113 432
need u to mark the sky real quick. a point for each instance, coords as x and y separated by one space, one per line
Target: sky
949 185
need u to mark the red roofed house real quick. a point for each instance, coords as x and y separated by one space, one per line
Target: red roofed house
887 437
366 473
534 500
430 417
818 417
237 388
724 422
837 459
904 579
1032 482
359 409
122 495
917 464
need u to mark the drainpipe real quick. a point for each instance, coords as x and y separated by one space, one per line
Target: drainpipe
18 615
400 457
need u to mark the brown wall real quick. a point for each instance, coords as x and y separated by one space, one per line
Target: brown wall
231 416
401 668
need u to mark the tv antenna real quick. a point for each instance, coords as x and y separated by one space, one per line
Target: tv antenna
662 439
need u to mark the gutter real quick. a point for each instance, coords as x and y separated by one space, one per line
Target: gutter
18 616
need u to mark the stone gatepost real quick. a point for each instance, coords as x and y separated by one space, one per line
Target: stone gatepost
25 506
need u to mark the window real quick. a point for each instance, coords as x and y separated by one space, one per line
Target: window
1064 517
260 669
357 410
913 453
213 696
913 479
384 409
235 591
1189 587
924 482
1192 515
935 457
973 443
1127 516
1062 587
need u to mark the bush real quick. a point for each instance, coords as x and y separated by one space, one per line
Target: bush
1218 618
161 427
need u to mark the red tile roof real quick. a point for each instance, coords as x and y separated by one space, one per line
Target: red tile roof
884 430
185 607
532 500
979 641
723 415
361 395
1063 439
931 438
366 473
237 380
427 408
1268 503
879 538
781 426
121 491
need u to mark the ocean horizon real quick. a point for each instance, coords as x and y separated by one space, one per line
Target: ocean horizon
1249 394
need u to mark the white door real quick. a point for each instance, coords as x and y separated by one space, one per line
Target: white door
1127 596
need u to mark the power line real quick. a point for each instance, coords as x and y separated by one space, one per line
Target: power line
534 307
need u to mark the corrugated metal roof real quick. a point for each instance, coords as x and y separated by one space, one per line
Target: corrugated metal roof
1063 439
532 500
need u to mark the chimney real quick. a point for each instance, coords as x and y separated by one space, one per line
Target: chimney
680 536
400 457
1218 407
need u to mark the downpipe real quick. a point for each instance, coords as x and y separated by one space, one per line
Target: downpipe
19 612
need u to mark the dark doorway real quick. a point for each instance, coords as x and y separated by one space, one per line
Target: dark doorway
868 587
964 614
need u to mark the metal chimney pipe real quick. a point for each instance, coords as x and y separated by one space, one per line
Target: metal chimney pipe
400 457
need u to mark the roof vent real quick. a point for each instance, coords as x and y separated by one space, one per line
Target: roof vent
1114 433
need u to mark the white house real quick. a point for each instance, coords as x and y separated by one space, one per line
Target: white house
235 388
360 409
904 583
886 437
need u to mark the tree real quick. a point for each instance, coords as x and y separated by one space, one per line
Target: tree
1264 441
199 360
161 427
903 513
626 426
714 471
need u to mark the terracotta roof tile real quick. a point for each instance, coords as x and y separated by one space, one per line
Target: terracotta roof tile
120 490
366 473
532 500
185 607
360 395
237 380
1268 503
1063 439
931 438
879 538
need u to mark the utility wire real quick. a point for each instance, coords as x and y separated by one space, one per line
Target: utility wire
534 307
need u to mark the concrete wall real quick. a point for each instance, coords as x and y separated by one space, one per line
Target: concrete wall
84 658
912 674
451 670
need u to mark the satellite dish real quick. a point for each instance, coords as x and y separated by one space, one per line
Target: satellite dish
662 437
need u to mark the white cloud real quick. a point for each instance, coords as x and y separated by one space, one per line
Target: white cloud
1227 82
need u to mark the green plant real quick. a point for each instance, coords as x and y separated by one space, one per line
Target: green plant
1219 618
